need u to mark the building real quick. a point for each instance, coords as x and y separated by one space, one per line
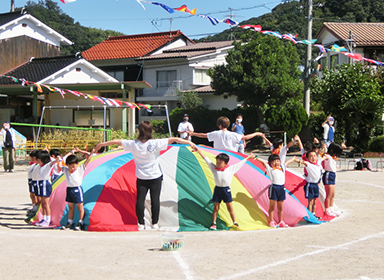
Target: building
364 38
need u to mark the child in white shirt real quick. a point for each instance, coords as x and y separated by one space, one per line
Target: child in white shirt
223 173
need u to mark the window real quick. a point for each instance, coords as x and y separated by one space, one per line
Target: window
200 76
118 75
88 117
165 78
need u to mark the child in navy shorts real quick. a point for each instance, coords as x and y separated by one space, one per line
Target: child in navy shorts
31 183
74 177
276 172
329 177
313 172
44 187
223 173
56 170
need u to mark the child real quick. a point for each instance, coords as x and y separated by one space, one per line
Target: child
224 139
278 148
56 170
329 177
276 172
313 173
223 173
35 205
44 186
73 177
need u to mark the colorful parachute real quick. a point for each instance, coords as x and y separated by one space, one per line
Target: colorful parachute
110 194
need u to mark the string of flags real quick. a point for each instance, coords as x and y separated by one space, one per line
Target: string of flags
105 101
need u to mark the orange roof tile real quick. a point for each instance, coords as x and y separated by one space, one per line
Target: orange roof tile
131 46
364 33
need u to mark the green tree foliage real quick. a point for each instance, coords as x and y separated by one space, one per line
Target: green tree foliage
352 95
83 37
289 117
260 70
189 99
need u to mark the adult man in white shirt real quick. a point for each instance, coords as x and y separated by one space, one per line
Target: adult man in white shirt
184 127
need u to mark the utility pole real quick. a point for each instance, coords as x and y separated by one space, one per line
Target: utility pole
307 91
12 5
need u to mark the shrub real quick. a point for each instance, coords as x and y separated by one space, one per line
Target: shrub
377 144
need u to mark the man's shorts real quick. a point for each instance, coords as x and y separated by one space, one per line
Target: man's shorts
74 195
311 190
44 188
222 193
277 192
329 178
30 186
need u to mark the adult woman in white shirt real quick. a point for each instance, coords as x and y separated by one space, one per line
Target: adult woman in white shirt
146 152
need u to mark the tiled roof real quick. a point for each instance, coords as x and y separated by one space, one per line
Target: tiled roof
131 46
203 89
7 17
39 68
364 33
190 51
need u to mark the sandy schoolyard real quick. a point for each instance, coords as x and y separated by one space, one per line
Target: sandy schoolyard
349 247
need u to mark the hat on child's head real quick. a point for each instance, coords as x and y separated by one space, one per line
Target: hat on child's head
331 118
186 115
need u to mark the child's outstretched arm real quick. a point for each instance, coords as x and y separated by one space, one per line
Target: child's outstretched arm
290 160
251 155
182 141
262 162
108 143
197 134
300 161
250 136
77 150
267 142
90 156
298 141
200 152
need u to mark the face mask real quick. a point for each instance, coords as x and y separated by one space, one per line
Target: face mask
185 119
331 122
239 120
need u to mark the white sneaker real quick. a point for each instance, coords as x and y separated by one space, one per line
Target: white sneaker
141 227
44 224
330 212
337 212
155 227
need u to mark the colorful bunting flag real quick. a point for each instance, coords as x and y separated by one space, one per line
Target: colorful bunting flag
213 20
256 28
356 56
230 21
67 1
184 9
337 48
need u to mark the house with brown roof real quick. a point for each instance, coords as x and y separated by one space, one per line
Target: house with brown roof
184 69
365 38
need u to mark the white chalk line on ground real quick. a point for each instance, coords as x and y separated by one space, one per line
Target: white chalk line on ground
359 200
183 265
361 183
283 262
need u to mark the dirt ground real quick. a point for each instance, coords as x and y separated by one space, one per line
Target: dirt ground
349 247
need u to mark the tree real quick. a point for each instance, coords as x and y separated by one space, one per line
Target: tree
189 99
352 95
260 70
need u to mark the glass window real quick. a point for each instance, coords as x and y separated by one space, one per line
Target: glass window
88 117
165 78
201 77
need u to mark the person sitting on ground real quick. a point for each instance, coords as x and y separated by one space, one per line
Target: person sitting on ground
74 177
276 173
224 139
223 173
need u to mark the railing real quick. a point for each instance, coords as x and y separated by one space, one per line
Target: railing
164 88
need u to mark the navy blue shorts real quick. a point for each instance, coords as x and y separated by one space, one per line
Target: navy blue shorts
277 192
311 190
329 178
30 186
222 193
74 195
54 177
44 188
35 187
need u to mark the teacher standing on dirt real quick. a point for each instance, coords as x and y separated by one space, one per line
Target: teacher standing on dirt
146 152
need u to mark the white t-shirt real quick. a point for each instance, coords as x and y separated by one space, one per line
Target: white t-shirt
330 164
56 170
277 176
224 139
185 126
44 172
30 170
224 178
313 172
74 179
35 172
146 156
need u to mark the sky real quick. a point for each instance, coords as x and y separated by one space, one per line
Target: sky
129 17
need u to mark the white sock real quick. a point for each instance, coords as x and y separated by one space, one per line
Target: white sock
44 217
70 221
48 219
81 222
